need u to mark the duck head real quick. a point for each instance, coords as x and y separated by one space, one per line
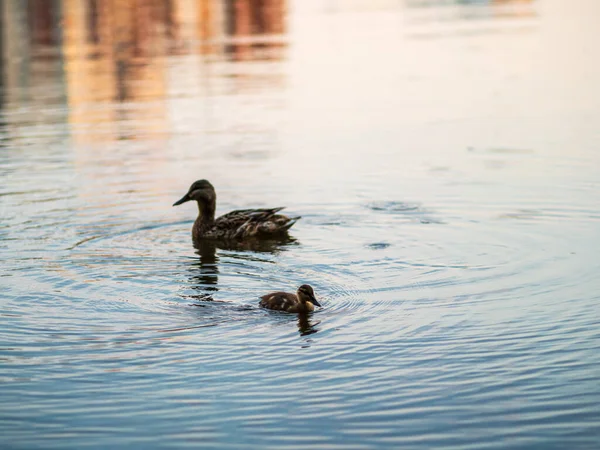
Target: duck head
306 294
201 191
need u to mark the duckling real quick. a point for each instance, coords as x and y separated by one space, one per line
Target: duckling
301 302
240 224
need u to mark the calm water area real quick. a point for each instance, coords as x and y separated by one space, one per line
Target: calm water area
444 157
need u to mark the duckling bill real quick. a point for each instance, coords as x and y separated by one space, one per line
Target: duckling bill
302 302
239 224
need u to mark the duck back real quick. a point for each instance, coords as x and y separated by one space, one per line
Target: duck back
284 301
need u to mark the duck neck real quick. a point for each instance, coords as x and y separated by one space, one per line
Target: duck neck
206 214
306 305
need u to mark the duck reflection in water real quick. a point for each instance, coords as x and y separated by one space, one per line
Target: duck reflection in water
204 272
305 325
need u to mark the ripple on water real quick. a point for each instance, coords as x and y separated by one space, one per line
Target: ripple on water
419 324
140 308
467 318
112 268
413 212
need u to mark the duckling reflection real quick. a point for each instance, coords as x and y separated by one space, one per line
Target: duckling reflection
304 301
305 326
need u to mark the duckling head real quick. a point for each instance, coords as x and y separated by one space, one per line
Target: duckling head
201 191
306 294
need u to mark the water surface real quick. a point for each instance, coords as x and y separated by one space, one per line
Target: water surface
443 155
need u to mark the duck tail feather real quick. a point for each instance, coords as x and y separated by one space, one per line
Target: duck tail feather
291 222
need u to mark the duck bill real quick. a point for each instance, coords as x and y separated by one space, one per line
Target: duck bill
314 301
185 198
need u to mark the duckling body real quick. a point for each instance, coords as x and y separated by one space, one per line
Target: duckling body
235 225
303 301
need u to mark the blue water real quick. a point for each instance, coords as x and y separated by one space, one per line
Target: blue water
443 157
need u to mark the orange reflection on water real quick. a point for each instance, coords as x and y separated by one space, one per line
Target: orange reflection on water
116 53
110 55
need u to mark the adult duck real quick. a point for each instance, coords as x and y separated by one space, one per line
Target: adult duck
235 225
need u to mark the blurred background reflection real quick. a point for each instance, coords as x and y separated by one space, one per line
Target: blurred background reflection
443 155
